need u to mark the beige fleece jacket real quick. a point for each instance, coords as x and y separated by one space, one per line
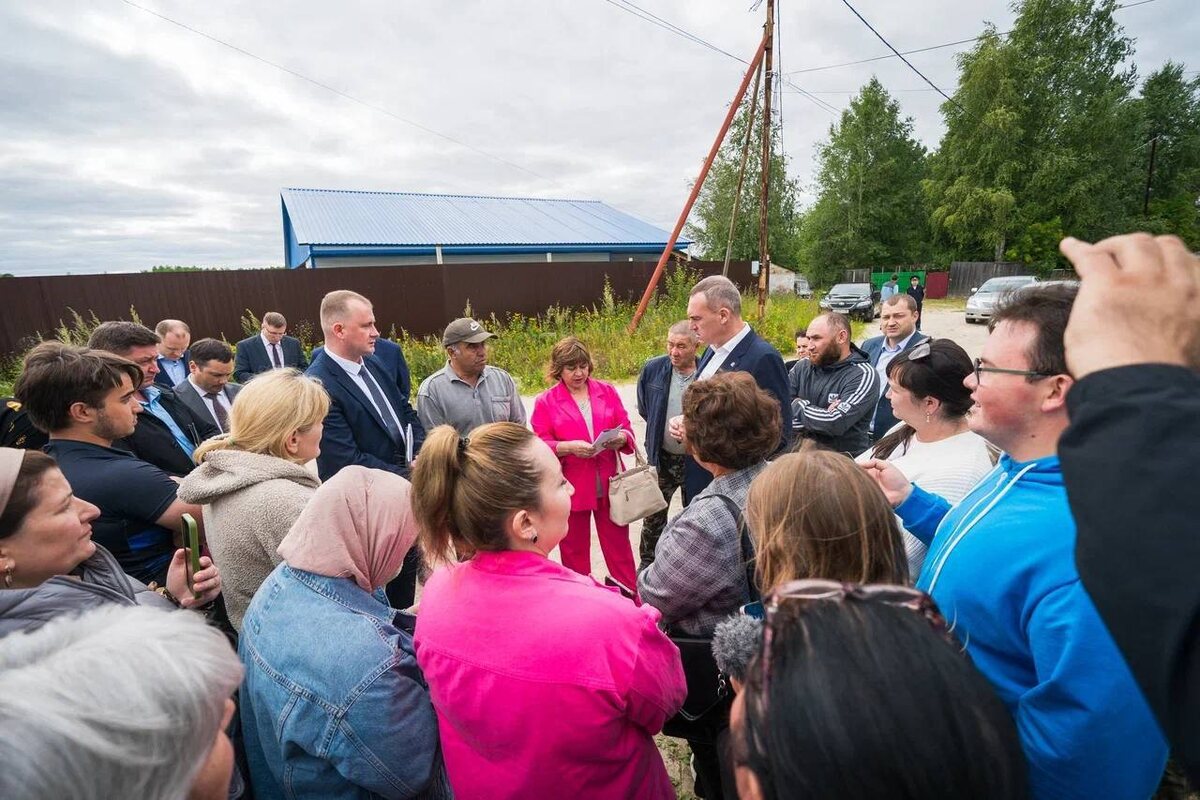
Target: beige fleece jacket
250 501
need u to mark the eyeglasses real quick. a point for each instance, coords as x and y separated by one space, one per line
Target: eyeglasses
810 591
1028 373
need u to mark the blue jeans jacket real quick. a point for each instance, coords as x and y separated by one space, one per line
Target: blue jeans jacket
333 704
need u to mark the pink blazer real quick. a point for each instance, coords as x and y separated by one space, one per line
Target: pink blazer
546 684
556 418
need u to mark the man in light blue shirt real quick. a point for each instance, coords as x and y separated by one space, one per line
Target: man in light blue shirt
890 288
174 338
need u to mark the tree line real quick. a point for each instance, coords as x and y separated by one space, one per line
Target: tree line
1049 131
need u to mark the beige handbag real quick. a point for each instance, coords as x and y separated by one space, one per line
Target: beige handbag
633 494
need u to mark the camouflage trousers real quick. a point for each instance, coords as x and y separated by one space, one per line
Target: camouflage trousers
670 478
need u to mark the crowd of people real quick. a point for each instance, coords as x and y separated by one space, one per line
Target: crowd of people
898 572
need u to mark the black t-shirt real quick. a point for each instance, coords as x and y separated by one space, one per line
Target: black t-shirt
131 495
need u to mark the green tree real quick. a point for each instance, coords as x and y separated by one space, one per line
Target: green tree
869 209
1169 118
173 268
709 227
1041 132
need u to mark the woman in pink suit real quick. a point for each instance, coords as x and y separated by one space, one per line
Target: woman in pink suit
569 417
546 684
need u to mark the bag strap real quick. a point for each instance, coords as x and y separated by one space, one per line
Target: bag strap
746 546
639 459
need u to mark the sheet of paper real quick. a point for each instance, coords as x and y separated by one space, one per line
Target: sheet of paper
604 438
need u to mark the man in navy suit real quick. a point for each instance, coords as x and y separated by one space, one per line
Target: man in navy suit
715 313
271 349
370 422
391 355
898 321
173 355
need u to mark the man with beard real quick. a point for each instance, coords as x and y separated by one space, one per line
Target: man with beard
468 392
835 391
84 399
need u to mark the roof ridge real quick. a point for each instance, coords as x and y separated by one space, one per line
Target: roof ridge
442 194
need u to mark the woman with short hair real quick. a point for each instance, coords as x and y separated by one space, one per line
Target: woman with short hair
569 417
933 444
546 683
253 482
117 702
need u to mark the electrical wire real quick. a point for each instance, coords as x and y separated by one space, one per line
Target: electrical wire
863 20
653 19
340 93
928 49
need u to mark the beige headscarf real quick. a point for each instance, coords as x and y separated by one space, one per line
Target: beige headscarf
10 465
358 524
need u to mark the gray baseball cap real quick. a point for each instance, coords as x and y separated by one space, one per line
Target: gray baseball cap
464 329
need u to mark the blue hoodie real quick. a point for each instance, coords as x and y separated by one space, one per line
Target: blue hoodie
1001 567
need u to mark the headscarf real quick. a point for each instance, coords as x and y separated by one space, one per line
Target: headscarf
358 524
10 466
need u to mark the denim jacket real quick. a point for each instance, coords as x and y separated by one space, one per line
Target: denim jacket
333 704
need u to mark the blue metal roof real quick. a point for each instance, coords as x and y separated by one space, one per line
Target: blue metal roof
333 217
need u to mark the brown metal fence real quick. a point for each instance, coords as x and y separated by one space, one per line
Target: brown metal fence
967 275
421 299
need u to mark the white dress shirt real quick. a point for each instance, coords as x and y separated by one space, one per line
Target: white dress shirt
267 344
352 369
222 398
721 353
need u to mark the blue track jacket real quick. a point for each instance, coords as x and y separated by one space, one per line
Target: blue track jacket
1001 567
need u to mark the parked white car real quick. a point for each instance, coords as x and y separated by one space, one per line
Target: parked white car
983 299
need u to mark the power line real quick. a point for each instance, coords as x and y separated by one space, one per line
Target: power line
339 92
897 52
927 49
642 14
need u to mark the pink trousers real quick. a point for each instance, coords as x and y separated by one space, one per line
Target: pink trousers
576 548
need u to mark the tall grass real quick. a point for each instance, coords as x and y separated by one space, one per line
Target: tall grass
524 343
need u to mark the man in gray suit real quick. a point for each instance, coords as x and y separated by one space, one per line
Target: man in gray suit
207 390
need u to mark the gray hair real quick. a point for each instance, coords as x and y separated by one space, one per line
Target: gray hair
719 292
683 328
118 702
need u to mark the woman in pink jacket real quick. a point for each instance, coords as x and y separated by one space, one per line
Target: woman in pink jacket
546 684
569 417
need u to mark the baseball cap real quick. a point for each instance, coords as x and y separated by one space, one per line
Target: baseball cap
464 329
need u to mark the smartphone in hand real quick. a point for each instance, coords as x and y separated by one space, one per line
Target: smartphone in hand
191 544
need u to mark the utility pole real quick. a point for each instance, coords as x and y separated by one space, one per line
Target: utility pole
737 195
1149 177
764 255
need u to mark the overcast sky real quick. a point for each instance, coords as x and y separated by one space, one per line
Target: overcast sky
128 141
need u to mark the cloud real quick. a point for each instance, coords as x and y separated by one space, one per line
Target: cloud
127 141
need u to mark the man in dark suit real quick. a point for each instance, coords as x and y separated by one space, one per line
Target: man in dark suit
173 355
207 390
391 355
270 349
898 321
167 431
370 422
660 389
917 292
715 313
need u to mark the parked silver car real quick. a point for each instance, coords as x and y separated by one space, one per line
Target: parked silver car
983 299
